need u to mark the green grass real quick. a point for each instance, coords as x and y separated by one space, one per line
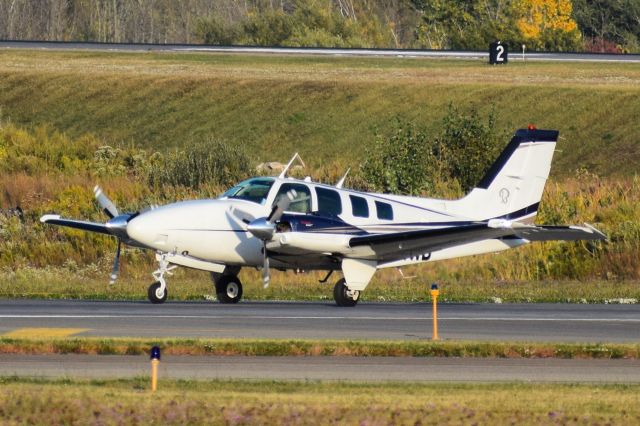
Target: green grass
264 402
326 108
305 347
91 283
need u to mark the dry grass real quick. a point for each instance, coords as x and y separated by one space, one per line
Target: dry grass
72 281
250 402
320 69
302 347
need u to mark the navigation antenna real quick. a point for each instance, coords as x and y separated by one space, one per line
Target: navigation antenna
341 181
286 169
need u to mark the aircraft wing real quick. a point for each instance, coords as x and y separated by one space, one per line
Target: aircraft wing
55 219
400 245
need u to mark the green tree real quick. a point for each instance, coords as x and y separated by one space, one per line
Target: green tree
407 160
468 145
398 162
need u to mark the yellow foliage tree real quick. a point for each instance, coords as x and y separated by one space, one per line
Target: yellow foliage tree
538 16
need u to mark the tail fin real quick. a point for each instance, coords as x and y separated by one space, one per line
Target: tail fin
513 186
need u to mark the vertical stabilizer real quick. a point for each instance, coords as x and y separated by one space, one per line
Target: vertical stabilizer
513 186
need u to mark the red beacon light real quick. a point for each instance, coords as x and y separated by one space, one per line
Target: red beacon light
531 127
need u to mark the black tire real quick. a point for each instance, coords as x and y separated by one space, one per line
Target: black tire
153 295
341 297
229 289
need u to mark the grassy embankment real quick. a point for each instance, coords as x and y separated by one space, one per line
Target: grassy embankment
326 108
303 347
260 402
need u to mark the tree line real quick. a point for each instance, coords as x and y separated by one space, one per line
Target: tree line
553 25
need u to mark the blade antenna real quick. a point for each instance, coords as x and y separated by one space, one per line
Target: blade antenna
341 181
286 169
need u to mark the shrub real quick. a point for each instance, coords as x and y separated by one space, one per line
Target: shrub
410 161
203 162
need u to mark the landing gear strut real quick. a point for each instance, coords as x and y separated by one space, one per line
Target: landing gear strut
228 288
157 292
343 296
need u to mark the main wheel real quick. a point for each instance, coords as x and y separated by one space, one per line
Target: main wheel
155 294
229 289
343 296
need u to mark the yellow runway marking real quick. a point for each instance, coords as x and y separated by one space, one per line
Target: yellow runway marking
30 333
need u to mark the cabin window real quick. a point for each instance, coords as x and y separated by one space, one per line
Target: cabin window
359 206
329 202
255 190
385 211
302 201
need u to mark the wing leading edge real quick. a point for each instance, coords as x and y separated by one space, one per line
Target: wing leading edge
400 245
55 219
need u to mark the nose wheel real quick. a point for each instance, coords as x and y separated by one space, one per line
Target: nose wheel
157 292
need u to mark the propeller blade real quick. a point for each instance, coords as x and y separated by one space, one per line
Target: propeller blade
265 268
116 264
107 205
282 205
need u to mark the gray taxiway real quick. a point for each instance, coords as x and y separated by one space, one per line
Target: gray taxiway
326 368
324 320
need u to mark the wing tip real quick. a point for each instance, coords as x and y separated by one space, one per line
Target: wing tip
600 235
47 217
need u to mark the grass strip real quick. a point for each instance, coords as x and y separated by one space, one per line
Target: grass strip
300 347
70 401
322 107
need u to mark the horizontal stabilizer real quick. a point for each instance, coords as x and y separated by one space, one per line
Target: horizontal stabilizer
54 219
561 233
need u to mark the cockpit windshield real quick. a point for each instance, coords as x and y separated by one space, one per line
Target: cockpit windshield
255 190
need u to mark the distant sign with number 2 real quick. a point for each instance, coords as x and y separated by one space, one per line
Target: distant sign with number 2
498 53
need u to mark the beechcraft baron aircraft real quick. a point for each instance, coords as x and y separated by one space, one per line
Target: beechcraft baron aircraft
292 224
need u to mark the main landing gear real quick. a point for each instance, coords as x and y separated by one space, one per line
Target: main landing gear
228 288
343 296
157 292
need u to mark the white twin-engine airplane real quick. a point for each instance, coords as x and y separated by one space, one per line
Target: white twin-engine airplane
292 224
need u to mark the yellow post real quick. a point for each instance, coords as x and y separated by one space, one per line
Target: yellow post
434 298
154 374
155 361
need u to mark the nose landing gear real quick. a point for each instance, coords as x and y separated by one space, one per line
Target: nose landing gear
157 292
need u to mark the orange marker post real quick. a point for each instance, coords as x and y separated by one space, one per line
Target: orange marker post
434 298
155 361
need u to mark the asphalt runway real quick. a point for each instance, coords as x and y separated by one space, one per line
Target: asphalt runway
132 47
366 369
324 320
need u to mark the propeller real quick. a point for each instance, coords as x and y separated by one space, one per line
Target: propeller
117 224
107 205
116 264
265 227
